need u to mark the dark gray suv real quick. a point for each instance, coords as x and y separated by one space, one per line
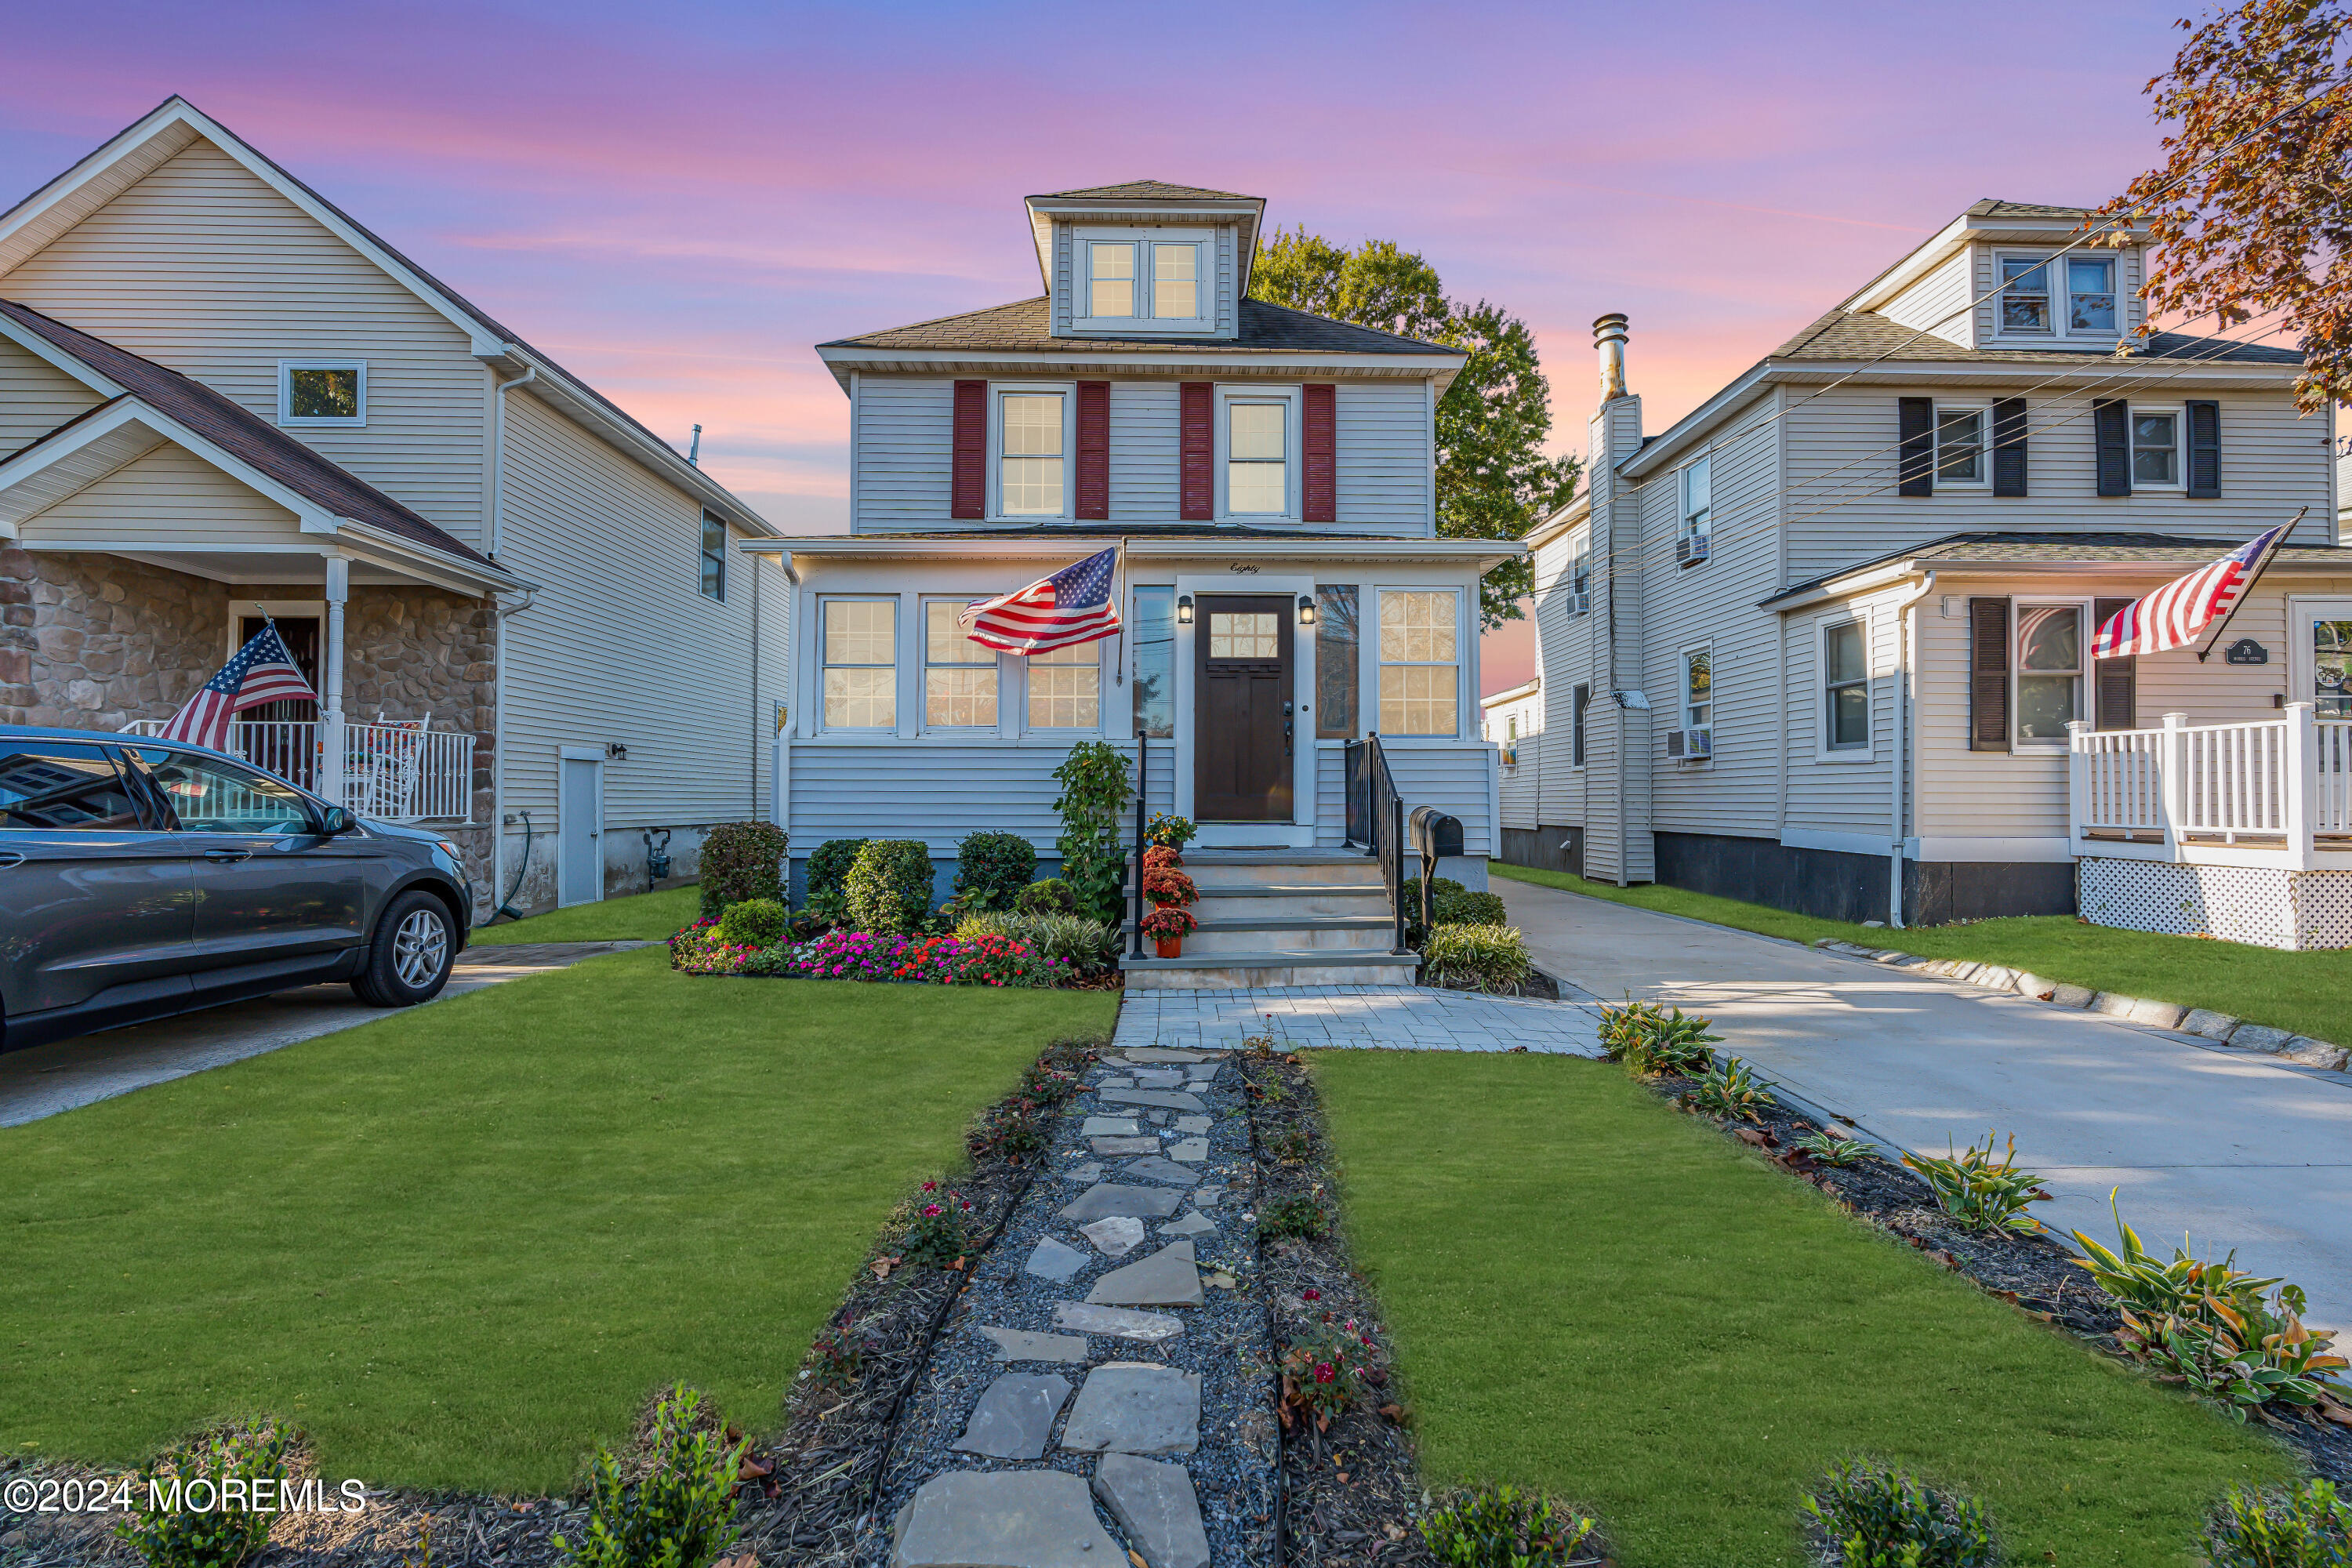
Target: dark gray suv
142 878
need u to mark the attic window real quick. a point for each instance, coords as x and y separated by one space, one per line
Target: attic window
1136 280
2059 297
321 392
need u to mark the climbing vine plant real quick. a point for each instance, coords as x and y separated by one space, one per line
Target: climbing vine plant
1093 788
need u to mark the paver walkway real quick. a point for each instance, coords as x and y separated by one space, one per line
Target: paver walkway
1380 1017
2237 1149
63 1074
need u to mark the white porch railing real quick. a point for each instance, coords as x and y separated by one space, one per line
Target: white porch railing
2275 794
398 773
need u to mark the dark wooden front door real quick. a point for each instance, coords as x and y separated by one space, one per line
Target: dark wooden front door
1242 737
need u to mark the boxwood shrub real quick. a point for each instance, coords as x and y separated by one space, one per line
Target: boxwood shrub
889 886
828 868
753 922
742 860
1450 904
993 867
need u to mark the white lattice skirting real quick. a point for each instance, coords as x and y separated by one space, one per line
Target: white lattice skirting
2258 904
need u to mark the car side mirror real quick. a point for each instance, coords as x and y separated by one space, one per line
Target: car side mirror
334 820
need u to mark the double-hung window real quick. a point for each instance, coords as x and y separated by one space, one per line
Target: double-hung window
2058 297
1579 701
1579 576
2155 447
1419 662
1257 457
1148 281
1845 687
2049 670
1698 689
714 558
2091 295
1959 445
1697 498
1065 687
1111 283
1033 472
959 675
2025 294
859 638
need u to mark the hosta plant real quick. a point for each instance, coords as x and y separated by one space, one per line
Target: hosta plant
1658 1044
1978 1191
1502 1527
1871 1517
1832 1149
1623 1027
1323 1372
680 1513
2307 1526
169 1527
1730 1092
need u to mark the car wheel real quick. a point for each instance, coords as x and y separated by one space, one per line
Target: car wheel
410 956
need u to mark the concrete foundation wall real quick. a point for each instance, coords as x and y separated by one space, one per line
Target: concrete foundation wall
1830 884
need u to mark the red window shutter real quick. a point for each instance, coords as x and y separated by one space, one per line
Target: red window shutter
1094 451
968 465
1197 479
1319 433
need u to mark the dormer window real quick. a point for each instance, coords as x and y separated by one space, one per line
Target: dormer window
2025 294
1142 281
2057 298
2090 294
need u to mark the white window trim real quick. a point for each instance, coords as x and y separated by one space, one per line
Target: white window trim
2065 297
1580 564
2084 627
1464 699
2055 273
1144 323
1294 450
1579 735
1683 703
726 539
997 393
1683 513
1824 750
286 367
897 664
923 668
2180 416
1983 411
1102 696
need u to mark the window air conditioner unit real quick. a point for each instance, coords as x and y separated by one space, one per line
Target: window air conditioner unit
1690 549
1579 603
1688 744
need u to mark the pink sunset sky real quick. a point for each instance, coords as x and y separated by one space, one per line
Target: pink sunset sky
678 201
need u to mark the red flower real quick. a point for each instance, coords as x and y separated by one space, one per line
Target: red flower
931 1210
1310 1295
930 1186
1323 1372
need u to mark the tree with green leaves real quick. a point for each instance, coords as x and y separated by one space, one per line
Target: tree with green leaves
1494 480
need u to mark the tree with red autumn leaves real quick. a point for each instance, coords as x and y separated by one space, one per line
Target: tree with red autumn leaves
2252 208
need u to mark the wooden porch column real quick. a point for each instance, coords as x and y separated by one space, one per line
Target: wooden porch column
2078 782
330 669
2173 776
2300 767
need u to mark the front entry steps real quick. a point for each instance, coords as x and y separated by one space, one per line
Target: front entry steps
1280 917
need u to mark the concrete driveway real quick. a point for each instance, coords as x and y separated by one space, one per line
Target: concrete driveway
2234 1148
57 1077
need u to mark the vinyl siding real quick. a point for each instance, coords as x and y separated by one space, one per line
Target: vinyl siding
35 397
1569 654
203 268
1383 459
619 644
1853 793
1841 506
941 791
1938 303
905 434
1145 451
175 496
1457 778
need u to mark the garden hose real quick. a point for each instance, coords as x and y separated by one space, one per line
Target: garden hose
506 906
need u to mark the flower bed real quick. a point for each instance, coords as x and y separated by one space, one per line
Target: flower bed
986 960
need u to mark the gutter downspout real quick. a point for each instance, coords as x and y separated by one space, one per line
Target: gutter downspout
1897 796
498 390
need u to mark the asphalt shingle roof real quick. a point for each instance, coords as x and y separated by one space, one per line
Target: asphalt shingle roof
1145 191
1866 334
1026 327
1994 549
236 430
1993 206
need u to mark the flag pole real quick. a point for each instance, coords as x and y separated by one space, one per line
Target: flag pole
2262 565
1118 605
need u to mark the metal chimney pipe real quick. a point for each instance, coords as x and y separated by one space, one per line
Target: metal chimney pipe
1609 338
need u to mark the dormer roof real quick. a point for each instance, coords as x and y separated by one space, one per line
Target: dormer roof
1999 221
1145 191
1146 202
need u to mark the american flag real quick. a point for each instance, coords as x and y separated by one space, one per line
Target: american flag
262 671
2176 613
1073 606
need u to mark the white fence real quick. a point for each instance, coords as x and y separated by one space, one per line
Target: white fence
395 772
2278 793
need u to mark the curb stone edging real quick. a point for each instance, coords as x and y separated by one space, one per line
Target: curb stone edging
2219 1027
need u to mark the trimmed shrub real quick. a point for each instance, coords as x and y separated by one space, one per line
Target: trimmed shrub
889 886
1502 1527
1050 897
218 1536
993 867
1475 958
828 868
680 1510
742 860
1450 904
2307 1526
754 923
1874 1518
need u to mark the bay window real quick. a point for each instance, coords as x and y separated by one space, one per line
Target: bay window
858 640
1420 674
959 674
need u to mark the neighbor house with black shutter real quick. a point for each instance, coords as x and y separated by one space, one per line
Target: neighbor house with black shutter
1825 642
1268 482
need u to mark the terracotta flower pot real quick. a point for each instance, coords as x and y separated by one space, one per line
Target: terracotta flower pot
1169 946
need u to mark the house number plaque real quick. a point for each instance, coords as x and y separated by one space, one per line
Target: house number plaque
2246 651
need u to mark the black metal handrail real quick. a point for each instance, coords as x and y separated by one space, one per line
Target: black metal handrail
1141 790
1376 819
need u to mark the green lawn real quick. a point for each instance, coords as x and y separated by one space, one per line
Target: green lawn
643 917
460 1245
2308 993
1596 1295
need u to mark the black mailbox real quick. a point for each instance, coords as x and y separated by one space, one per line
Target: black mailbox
1433 833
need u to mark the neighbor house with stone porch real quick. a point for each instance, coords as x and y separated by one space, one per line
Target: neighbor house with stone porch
525 616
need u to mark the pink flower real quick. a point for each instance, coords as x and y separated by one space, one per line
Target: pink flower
1323 1372
930 1186
930 1211
1310 1295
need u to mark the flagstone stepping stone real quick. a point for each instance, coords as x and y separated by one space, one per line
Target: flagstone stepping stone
1110 1127
1205 1073
1055 1260
1168 1053
1160 1117
1089 1172
1154 1503
1021 1344
1114 1083
1169 1278
1190 1224
1134 1145
1174 1100
1191 1124
1134 1407
1002 1519
1191 1150
1116 1236
1156 1169
1144 1328
1207 1197
1111 1198
1166 1077
1014 1417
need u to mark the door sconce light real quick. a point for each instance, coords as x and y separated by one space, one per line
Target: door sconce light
616 752
1183 609
1305 609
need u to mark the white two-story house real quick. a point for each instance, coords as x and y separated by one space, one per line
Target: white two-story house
1268 479
1826 642
222 399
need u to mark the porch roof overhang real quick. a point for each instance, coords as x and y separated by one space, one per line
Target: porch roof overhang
2099 558
1140 545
